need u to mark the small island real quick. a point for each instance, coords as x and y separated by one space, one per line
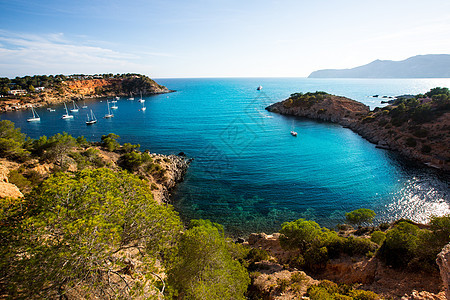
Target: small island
43 90
417 127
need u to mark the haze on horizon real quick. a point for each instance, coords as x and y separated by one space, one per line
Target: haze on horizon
202 38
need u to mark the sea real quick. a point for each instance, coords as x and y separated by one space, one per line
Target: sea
248 172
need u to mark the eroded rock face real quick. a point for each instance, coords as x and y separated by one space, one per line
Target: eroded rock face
443 261
8 189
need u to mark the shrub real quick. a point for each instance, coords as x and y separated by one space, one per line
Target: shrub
400 244
316 258
420 133
358 246
207 267
425 149
361 215
256 254
110 142
12 142
19 180
378 237
411 142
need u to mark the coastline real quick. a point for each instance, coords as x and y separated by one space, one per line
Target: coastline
78 90
360 119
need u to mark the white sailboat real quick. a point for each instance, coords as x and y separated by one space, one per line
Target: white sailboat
84 105
66 115
35 116
143 108
92 119
131 97
50 109
141 100
109 114
75 107
114 106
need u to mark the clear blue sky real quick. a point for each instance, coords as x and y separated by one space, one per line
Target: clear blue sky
199 38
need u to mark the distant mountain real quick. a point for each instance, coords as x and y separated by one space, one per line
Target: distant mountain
420 66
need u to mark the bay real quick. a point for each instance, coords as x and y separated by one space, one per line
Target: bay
249 173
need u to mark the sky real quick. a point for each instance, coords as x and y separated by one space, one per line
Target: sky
215 38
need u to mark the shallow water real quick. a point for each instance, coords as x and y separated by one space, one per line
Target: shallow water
249 173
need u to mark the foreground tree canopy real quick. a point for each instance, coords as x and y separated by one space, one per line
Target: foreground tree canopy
80 230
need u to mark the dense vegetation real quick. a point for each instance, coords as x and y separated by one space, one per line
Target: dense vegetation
327 290
318 244
420 109
304 100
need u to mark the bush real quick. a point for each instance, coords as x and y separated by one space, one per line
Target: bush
378 237
255 255
400 245
19 180
327 290
411 142
207 266
110 142
426 149
359 216
358 246
12 142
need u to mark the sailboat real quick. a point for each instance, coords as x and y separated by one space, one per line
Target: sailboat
84 105
259 88
75 107
143 107
35 116
92 119
131 96
66 115
141 100
114 106
109 114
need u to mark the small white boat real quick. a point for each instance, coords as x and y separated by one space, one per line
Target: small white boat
50 109
114 106
259 88
141 100
131 97
75 107
117 98
35 116
109 114
84 105
143 108
92 119
66 115
293 133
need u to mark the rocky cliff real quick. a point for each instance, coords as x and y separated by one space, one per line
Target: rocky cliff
425 141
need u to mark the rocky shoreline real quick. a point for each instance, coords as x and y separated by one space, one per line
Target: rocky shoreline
78 90
374 126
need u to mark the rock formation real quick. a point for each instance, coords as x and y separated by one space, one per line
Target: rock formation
7 189
443 262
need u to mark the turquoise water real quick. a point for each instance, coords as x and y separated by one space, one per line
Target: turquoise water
248 172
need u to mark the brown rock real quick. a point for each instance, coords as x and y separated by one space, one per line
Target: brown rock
8 189
443 261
